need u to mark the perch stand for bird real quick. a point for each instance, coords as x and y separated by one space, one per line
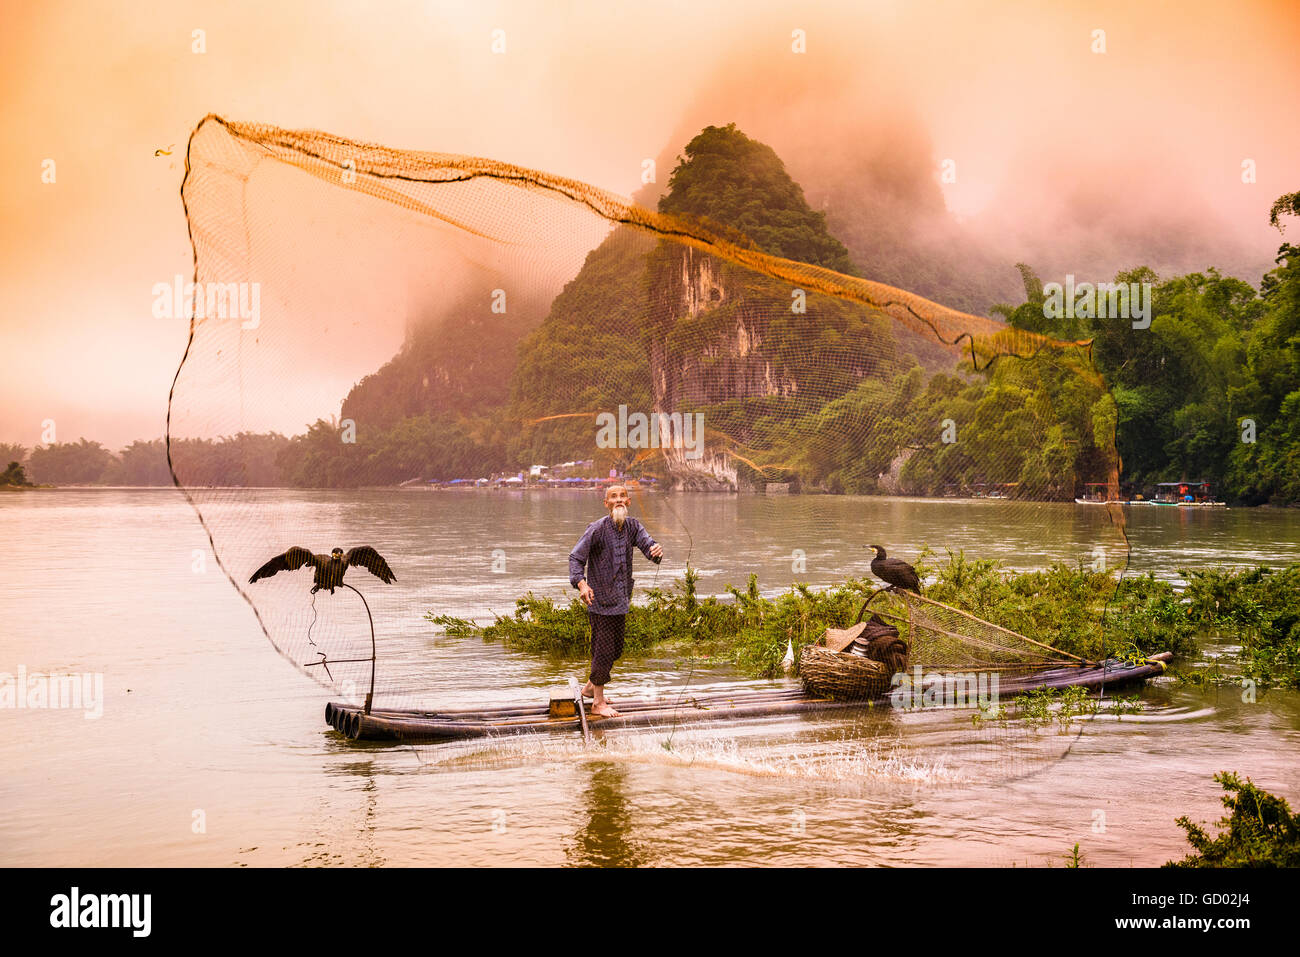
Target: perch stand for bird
370 695
890 591
876 593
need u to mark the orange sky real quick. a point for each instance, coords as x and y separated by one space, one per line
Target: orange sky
1010 91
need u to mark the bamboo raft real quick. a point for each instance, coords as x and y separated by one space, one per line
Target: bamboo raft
408 726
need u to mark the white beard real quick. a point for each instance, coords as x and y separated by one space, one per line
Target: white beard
619 514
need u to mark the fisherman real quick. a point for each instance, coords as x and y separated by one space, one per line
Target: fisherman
604 553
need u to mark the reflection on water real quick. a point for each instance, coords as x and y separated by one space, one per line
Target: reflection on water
606 836
200 714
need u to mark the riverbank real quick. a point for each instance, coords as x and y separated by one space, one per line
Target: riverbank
773 490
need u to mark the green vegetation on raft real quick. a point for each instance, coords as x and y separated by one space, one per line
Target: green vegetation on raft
1076 610
743 627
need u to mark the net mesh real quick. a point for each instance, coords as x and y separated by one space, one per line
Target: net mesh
408 317
943 638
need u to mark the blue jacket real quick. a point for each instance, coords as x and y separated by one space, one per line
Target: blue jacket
603 556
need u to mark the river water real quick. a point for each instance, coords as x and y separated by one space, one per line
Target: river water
212 748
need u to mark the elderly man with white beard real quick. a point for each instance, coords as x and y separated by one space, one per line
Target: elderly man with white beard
604 555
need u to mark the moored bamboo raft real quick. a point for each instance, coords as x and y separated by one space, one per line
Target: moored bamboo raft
411 725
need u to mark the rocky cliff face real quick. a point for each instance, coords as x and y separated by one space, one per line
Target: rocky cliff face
718 333
687 285
724 354
707 346
714 471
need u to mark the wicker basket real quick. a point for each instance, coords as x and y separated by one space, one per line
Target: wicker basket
834 674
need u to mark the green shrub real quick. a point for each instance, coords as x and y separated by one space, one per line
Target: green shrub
1258 831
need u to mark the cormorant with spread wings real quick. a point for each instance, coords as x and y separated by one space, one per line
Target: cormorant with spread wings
329 568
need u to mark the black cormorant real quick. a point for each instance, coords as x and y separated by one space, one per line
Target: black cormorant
329 568
894 572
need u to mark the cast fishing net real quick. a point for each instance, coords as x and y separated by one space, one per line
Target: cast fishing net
372 322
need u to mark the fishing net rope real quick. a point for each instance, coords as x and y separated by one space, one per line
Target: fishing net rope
474 318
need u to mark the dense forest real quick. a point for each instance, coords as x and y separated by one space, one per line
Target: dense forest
1210 390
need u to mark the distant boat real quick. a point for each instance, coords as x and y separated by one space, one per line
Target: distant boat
1180 494
1186 495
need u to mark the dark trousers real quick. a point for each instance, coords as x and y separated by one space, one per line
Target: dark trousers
606 645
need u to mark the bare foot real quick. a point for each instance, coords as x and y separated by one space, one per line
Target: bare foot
588 690
605 710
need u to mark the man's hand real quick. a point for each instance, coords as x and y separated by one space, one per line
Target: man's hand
585 593
656 551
